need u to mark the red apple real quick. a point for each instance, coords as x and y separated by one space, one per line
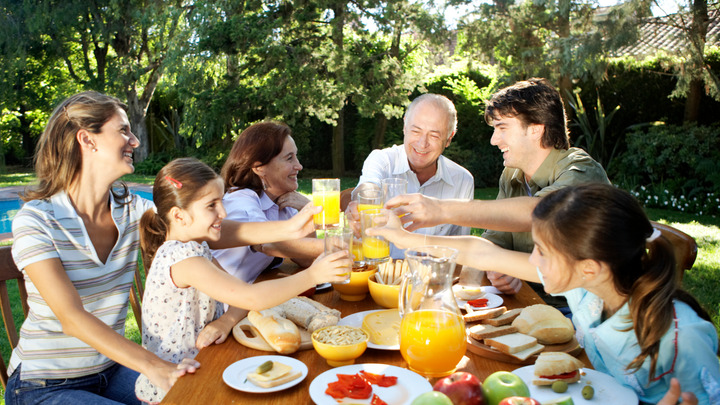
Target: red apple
462 388
519 401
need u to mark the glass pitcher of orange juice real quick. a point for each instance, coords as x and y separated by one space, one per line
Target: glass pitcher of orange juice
432 330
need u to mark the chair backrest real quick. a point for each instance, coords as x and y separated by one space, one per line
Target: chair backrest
8 272
136 296
684 246
345 197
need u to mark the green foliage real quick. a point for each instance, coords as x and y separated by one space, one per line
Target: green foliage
674 166
593 138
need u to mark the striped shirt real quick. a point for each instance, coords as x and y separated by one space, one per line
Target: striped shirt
49 229
450 181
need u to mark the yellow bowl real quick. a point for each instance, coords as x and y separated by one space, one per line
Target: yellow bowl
357 288
383 294
338 355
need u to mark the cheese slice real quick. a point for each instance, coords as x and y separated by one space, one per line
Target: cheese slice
278 370
383 327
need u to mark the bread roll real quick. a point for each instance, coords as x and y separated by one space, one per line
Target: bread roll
308 313
554 366
548 325
280 333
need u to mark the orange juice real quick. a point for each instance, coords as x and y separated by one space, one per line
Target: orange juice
329 217
432 341
374 248
363 207
357 250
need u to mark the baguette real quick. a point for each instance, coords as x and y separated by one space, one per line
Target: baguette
482 331
545 323
504 319
280 333
474 316
308 313
512 343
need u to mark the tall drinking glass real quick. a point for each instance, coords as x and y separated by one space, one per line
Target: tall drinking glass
369 198
375 248
326 193
336 240
393 187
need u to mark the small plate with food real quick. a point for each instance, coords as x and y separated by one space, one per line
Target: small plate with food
382 325
487 301
391 384
556 375
265 373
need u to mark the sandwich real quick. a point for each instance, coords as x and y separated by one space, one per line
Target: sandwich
556 366
547 324
272 373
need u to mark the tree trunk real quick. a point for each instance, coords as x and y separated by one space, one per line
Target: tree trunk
698 31
692 104
338 145
380 129
136 116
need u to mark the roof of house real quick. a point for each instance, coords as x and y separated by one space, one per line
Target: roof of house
667 34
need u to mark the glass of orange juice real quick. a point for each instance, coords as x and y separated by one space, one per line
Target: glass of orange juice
369 198
375 248
338 240
393 187
326 193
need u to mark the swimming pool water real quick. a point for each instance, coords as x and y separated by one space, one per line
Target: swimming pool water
8 209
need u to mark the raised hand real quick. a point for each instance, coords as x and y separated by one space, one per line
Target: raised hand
417 210
292 199
674 395
331 267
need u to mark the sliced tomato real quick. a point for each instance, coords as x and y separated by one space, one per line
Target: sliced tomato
377 401
478 303
560 376
379 379
350 386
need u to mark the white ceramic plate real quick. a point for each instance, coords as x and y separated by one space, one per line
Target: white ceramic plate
235 374
494 301
607 390
356 320
409 384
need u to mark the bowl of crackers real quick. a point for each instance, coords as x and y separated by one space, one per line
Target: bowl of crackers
340 345
384 285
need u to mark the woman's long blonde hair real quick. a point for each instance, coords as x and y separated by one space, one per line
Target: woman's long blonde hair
57 156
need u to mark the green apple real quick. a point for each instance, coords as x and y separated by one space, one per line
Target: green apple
560 401
432 398
502 384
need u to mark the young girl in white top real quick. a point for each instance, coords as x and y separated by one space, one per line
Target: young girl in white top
185 287
595 246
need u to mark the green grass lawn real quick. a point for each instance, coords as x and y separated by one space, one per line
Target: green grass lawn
702 281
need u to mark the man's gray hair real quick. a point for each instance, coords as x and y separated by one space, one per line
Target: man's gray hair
440 102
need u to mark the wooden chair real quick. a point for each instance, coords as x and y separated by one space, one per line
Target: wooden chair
136 296
345 198
8 271
684 246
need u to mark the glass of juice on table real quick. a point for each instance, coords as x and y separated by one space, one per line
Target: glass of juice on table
375 248
326 193
369 198
432 330
393 187
337 240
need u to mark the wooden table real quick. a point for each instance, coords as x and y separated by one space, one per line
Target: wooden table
206 386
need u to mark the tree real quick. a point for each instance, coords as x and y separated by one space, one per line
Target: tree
115 46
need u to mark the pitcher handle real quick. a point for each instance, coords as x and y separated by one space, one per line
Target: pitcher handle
403 297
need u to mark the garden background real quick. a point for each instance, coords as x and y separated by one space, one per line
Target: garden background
196 73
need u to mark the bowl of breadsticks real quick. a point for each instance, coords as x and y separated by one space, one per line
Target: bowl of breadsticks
384 286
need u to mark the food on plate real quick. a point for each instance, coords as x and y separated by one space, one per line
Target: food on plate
512 343
503 384
505 318
308 313
560 401
545 323
525 354
462 388
556 366
383 327
359 386
340 335
468 292
273 374
474 316
588 392
432 398
559 386
482 331
280 333
519 401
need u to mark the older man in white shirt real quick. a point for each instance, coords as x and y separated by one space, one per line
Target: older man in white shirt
430 123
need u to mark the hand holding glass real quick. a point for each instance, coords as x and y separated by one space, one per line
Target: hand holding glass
375 248
393 187
326 193
339 240
369 198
